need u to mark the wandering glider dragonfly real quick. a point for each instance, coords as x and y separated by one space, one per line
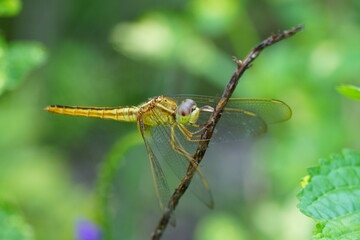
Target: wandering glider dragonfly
171 128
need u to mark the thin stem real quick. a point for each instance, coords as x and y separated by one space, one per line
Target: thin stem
242 66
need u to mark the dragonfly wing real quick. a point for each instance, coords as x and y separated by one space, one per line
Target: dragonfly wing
270 110
179 164
163 144
242 117
161 185
236 125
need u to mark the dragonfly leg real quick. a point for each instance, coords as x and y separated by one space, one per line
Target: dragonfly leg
179 149
190 136
176 147
197 125
202 128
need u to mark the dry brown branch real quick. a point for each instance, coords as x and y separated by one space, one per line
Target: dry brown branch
242 66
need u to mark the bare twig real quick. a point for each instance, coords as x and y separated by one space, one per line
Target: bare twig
242 66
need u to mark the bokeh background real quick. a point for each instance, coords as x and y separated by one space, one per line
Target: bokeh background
120 53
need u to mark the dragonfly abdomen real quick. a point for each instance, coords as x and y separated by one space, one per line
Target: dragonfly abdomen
126 114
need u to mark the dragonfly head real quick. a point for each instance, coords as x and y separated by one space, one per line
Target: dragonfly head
187 112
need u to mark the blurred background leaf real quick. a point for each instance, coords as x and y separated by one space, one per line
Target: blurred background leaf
349 91
9 7
218 226
17 60
106 179
12 224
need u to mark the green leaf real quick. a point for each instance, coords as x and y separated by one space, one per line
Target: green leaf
12 225
17 60
349 91
332 196
9 7
346 227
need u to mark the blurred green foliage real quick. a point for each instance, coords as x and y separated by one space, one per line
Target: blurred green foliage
106 178
9 7
350 91
12 224
120 53
16 61
218 225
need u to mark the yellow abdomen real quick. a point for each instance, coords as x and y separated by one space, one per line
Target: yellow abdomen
126 114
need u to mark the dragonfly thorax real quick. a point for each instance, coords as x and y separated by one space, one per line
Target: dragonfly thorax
158 111
187 112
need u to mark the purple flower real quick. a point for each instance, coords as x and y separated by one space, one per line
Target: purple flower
87 230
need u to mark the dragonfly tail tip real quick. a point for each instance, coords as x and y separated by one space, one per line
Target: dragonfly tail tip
48 108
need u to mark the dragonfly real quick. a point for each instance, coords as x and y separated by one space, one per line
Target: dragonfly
171 128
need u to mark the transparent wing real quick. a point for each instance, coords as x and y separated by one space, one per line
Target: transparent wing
242 117
161 185
163 140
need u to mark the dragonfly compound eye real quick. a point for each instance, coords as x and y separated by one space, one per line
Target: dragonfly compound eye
189 105
185 110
